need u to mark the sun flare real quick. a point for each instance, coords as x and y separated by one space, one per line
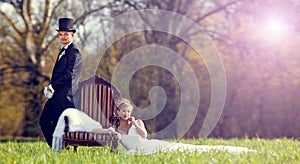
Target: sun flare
276 26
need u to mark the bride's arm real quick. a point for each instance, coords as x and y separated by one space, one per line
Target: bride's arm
100 130
107 131
140 127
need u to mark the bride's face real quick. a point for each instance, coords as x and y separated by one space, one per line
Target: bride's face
125 112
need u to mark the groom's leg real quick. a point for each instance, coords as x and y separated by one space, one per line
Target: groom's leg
46 123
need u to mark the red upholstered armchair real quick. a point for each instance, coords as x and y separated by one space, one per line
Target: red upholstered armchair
96 100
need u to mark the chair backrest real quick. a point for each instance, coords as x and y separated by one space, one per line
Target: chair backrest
97 99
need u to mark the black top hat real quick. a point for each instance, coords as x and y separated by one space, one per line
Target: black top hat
65 24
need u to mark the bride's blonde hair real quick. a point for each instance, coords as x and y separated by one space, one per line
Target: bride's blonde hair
122 102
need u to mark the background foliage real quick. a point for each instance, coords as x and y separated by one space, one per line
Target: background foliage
257 40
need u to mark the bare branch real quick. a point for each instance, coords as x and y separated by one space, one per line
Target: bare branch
26 15
217 10
11 23
83 16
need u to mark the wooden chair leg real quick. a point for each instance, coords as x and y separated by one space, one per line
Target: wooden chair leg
65 146
75 149
114 146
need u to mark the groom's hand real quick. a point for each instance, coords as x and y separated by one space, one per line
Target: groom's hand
47 92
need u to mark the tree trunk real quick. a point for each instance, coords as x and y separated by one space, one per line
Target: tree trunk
33 107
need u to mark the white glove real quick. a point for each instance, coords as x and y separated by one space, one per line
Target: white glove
48 94
45 91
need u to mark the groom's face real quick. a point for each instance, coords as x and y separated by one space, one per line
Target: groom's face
65 37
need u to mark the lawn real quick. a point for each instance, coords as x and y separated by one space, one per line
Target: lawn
281 150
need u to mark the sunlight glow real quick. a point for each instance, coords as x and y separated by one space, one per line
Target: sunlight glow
272 28
276 26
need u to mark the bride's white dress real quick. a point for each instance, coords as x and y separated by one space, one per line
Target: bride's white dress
135 144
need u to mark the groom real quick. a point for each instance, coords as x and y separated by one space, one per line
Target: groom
64 81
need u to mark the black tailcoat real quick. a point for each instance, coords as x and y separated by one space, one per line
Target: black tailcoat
65 81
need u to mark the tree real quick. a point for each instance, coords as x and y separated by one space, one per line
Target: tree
255 65
29 38
153 37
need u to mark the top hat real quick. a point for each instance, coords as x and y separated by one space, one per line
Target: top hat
65 24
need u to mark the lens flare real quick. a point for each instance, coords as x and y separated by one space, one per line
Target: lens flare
275 27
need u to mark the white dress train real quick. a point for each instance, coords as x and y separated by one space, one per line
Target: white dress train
136 145
133 142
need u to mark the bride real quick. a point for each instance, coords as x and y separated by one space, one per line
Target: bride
133 136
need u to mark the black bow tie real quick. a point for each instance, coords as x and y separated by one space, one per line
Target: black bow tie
61 53
61 50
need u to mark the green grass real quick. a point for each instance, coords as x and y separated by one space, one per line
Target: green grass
270 151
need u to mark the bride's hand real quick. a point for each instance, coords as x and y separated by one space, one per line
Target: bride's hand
133 121
116 135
